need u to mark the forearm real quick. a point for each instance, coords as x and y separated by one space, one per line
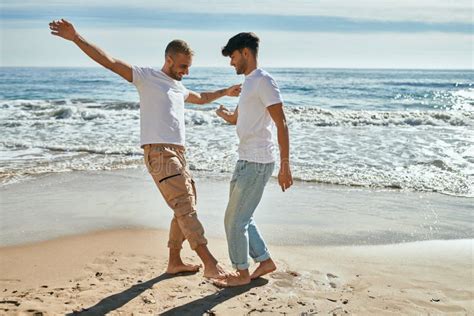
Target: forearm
94 52
208 97
284 175
284 145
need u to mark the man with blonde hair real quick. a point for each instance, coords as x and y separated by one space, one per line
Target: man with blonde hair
162 135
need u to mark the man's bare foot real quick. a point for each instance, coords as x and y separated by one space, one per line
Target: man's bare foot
235 279
182 267
263 268
214 272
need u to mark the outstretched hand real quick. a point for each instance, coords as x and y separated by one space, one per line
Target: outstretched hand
63 28
234 91
228 116
222 111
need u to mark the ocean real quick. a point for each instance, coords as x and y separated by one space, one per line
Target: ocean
410 130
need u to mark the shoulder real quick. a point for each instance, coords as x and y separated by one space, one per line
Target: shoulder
185 90
142 69
264 76
146 71
141 73
265 79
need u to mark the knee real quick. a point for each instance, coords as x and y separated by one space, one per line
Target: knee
230 221
191 227
227 219
234 224
183 205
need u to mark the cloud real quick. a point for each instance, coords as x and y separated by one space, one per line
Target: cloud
436 11
155 17
324 33
427 11
431 11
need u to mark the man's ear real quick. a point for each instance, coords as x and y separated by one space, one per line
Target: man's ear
169 60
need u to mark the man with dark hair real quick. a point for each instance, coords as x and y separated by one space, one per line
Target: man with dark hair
162 98
242 40
260 107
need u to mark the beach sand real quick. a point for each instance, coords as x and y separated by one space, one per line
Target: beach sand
77 244
122 273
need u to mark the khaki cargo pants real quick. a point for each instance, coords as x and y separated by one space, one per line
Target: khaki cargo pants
167 165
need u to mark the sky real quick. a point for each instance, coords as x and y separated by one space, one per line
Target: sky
428 34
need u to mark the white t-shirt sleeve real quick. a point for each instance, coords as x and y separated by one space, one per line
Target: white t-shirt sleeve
140 74
185 92
269 92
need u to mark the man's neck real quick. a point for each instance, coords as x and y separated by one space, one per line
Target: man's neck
251 67
166 71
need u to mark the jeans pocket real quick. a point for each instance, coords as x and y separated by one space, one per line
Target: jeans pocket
241 167
269 171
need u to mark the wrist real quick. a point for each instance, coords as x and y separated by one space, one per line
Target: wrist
285 166
75 38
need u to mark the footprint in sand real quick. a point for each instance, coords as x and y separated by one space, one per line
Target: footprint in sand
12 302
10 280
333 283
284 275
283 283
284 278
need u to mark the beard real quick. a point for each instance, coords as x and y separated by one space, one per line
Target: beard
175 75
240 68
173 72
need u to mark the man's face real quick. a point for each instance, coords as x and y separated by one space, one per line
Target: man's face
179 65
238 61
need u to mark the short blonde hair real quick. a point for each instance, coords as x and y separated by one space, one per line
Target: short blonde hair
178 47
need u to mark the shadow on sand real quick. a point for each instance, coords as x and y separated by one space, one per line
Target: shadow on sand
200 306
196 307
115 301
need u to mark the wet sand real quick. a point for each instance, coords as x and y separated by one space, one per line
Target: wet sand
121 272
90 243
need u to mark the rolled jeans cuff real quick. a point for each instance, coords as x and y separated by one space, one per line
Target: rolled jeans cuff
241 266
263 257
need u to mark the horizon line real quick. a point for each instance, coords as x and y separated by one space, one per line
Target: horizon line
269 67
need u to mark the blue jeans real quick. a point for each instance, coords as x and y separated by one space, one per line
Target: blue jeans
246 190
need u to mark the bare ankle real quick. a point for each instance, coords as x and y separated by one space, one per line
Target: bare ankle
174 257
269 261
244 273
207 258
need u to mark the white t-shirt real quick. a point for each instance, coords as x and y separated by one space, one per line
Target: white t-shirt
254 123
161 107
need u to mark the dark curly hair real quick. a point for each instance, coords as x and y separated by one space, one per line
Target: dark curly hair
240 41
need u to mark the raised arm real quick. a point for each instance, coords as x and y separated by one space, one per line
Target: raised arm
284 175
228 116
64 29
208 97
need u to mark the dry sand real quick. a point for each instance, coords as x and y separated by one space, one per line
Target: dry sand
121 272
